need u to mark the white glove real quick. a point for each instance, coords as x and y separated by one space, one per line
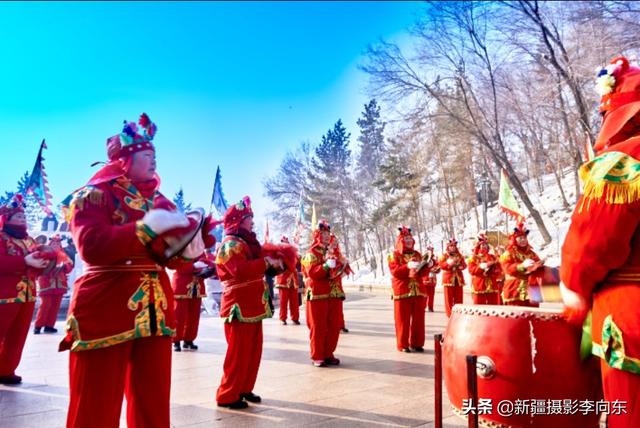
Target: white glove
159 221
35 262
331 263
195 248
450 261
200 265
413 264
528 263
276 263
483 266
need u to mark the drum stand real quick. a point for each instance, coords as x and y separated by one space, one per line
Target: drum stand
472 384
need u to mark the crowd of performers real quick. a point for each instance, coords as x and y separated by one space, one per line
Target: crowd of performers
126 314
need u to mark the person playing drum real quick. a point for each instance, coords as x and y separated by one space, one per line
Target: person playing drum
452 264
600 267
485 271
521 266
430 276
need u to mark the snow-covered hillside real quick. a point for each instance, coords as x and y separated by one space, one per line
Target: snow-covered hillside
548 203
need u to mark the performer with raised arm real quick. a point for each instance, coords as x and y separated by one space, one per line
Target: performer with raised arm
287 285
241 266
521 265
409 293
52 286
600 266
121 316
430 276
20 263
452 264
485 271
324 316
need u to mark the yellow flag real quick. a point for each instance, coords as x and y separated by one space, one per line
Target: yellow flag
314 219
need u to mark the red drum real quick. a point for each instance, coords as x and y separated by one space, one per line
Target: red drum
526 356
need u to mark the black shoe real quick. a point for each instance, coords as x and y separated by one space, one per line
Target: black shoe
50 330
251 397
190 345
296 322
37 330
283 322
407 350
332 361
10 380
235 405
418 349
176 346
430 309
344 330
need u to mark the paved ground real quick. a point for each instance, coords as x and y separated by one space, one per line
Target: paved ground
374 386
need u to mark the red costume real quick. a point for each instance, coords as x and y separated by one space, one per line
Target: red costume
334 252
409 292
121 317
287 285
323 295
485 271
521 265
52 286
17 290
188 291
245 303
452 264
430 277
601 252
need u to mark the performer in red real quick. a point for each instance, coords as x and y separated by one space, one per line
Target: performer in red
53 285
241 267
287 285
601 252
485 271
324 315
19 265
520 265
188 290
409 292
121 316
333 251
430 276
452 264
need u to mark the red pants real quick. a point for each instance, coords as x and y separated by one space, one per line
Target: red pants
486 298
452 295
325 319
289 297
15 319
241 364
430 300
409 317
140 368
187 319
48 310
625 387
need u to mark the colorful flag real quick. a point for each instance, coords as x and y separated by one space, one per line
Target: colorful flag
217 198
37 184
506 201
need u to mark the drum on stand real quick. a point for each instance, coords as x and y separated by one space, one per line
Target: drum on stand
523 354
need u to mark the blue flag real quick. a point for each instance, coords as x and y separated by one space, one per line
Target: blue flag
217 198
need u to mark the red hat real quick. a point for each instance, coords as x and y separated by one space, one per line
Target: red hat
235 214
482 239
403 231
316 235
284 240
129 141
14 206
619 86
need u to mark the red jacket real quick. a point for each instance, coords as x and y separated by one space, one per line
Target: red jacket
452 274
484 281
54 281
516 278
403 284
321 282
112 301
287 280
185 284
245 295
17 282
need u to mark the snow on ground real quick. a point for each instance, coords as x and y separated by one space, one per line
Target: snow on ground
548 203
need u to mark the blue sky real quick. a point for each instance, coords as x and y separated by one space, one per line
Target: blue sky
229 84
